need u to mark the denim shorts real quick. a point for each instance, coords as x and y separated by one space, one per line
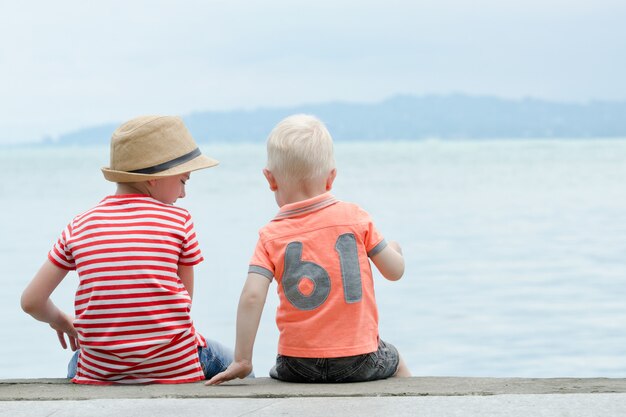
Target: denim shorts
214 359
381 364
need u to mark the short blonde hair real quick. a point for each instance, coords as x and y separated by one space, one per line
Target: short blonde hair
300 148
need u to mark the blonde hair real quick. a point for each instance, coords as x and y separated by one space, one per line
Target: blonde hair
300 148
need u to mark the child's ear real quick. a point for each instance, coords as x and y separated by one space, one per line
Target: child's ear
270 179
331 178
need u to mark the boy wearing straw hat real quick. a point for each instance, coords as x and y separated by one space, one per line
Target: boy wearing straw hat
134 253
319 250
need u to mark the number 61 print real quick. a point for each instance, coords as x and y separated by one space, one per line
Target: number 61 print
297 270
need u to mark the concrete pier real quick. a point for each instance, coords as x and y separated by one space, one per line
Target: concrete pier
418 396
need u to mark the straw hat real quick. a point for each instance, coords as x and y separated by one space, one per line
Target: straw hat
150 147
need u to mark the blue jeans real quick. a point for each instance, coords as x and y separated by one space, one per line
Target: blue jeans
214 359
381 364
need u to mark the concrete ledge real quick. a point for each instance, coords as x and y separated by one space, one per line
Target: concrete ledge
61 389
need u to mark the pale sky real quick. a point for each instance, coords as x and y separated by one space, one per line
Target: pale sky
68 64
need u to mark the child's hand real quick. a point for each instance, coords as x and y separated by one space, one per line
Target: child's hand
65 326
239 369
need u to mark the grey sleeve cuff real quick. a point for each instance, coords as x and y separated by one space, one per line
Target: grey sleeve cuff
376 249
261 271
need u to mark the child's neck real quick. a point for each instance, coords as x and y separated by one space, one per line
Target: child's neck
289 195
124 188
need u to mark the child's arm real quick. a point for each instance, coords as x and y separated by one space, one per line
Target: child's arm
251 304
185 273
390 261
36 302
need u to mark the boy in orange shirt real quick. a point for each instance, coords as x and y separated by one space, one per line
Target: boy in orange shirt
318 249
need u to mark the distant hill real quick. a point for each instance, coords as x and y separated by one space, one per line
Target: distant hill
406 118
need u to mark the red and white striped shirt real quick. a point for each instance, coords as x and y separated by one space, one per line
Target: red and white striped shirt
132 310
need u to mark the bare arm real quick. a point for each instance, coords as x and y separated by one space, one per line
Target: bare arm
185 273
36 302
390 261
249 313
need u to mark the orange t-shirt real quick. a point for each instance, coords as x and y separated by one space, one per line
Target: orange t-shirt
318 251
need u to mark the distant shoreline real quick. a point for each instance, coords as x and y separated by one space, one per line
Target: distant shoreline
402 118
58 145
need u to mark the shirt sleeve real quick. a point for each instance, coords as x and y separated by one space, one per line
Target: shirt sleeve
374 240
60 255
190 254
261 262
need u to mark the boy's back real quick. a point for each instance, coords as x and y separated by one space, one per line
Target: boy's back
131 308
318 251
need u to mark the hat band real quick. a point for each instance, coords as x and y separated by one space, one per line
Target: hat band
169 164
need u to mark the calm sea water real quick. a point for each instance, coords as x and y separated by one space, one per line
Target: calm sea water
515 250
